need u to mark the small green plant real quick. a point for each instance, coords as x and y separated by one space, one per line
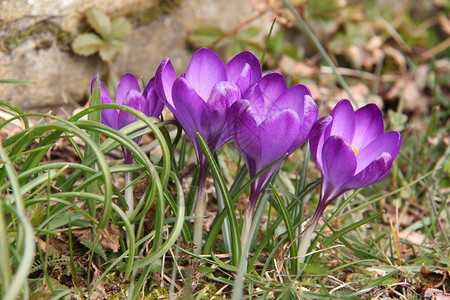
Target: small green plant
107 40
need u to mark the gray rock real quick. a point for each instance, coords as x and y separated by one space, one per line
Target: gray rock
63 78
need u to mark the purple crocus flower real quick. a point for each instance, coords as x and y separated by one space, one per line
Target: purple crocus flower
200 98
351 150
129 93
270 121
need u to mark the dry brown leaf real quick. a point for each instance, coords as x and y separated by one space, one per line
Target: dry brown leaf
396 55
413 97
374 43
99 293
435 294
297 69
373 52
82 234
49 248
373 59
358 55
411 91
41 293
436 277
394 91
109 236
414 237
442 68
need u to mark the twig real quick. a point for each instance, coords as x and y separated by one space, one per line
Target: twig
436 50
235 29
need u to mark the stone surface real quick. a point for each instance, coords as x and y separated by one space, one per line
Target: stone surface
148 45
63 77
66 13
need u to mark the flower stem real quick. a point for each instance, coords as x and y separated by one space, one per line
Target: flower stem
129 198
246 241
200 207
306 240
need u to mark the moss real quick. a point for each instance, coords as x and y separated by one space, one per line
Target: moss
148 15
63 39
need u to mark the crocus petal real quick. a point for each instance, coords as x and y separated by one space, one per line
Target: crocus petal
127 83
151 85
316 140
244 69
368 126
277 134
188 108
164 78
214 116
343 121
256 98
298 98
135 100
155 105
243 127
388 142
292 98
105 97
204 71
339 164
271 85
376 171
310 114
108 116
128 157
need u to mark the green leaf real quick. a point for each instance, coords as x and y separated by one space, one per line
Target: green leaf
249 32
236 245
156 266
87 44
204 36
95 247
120 27
108 51
95 116
397 120
316 269
36 214
15 81
349 228
325 10
447 167
205 269
277 42
100 22
111 84
373 283
357 34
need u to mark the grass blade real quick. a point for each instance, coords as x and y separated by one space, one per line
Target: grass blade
236 242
